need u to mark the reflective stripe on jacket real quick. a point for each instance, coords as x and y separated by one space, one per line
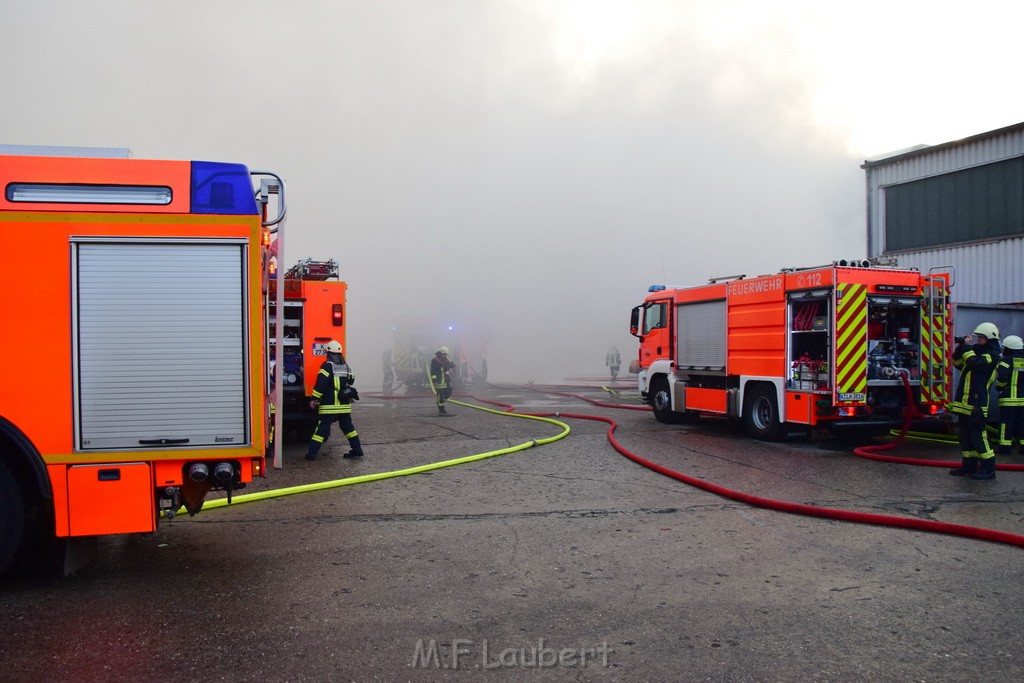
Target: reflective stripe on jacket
1010 379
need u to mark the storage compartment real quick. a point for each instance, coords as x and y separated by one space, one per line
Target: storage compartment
701 336
894 333
160 342
110 499
809 342
809 337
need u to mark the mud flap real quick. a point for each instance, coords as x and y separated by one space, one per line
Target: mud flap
79 551
193 493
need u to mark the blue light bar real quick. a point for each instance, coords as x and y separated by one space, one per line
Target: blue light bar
656 288
219 188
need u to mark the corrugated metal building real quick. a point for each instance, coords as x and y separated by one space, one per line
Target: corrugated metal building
960 203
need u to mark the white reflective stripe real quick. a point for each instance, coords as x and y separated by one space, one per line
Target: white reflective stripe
161 344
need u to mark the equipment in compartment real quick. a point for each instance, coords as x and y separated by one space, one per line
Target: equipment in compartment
893 338
809 345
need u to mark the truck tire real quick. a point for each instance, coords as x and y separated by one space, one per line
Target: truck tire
761 414
12 517
661 403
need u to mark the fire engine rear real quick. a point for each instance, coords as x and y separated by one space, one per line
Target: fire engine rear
852 342
133 354
314 314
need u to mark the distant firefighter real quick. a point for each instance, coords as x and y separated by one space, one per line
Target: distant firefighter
613 360
388 362
440 377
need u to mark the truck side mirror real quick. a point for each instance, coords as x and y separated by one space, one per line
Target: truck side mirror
634 321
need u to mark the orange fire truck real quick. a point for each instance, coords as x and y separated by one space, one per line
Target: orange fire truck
133 348
801 348
314 314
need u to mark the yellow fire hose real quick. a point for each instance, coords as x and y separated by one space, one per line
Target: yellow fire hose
938 437
319 486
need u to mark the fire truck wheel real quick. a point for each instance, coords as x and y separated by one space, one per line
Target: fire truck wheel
661 403
12 517
761 414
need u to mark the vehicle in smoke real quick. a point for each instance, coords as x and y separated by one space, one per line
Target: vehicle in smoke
417 338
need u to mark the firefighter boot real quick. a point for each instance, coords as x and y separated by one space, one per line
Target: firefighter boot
441 410
968 466
988 469
357 449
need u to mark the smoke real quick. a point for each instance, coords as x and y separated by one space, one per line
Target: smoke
529 166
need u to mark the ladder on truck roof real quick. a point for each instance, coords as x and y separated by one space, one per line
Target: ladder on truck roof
310 269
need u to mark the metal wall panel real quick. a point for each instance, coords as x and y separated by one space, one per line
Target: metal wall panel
161 351
988 272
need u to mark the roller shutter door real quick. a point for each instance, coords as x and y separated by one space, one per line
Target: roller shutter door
700 334
161 353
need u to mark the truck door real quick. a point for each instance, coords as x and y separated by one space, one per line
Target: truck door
656 331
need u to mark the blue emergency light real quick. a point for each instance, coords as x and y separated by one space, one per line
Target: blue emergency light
656 288
222 188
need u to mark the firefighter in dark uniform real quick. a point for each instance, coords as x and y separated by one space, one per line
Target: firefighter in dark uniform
976 357
333 394
1010 382
440 377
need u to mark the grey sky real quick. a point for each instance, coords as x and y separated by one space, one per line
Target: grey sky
535 165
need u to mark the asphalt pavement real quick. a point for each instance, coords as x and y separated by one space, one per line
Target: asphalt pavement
564 561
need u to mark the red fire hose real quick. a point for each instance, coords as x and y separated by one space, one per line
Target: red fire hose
991 535
909 413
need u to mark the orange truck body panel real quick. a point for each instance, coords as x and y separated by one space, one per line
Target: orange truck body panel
318 323
99 490
815 339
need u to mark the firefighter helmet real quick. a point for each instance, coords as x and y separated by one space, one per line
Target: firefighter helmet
444 350
333 346
988 330
1013 342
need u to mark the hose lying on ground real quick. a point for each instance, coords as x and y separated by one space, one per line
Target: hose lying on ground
360 479
757 501
798 508
873 452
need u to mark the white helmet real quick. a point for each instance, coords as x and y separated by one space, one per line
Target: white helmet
333 346
1013 342
444 350
988 330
